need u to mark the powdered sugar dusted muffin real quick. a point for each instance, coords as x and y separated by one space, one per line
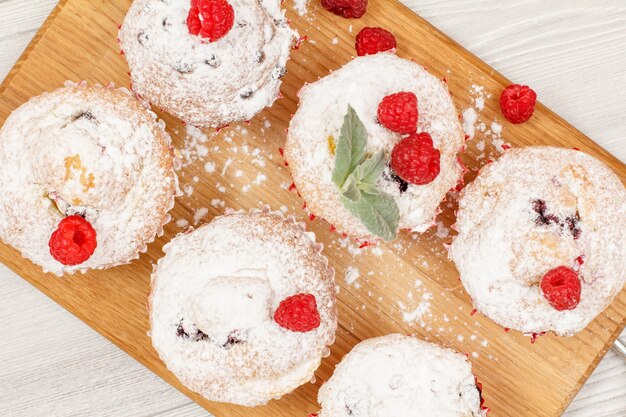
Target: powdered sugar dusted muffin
397 375
242 309
398 122
208 62
542 239
87 178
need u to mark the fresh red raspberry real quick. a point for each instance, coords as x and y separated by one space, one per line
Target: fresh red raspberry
561 287
298 313
517 103
371 41
210 19
415 160
346 8
398 112
73 242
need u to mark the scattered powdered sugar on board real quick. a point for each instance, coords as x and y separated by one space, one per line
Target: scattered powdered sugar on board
300 6
469 120
209 167
475 126
351 274
236 160
195 145
217 203
200 214
417 314
260 179
442 230
496 128
188 189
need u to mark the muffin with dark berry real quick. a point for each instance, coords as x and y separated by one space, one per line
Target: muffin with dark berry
373 146
542 239
87 178
242 309
398 375
208 62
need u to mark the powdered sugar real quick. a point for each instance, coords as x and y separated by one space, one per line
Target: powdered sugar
182 223
417 314
475 126
300 6
209 167
207 83
94 151
380 377
469 120
199 214
196 145
350 275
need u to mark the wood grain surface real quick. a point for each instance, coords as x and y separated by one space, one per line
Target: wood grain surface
113 302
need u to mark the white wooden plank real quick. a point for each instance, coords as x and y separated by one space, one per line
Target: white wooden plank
53 364
12 47
19 16
571 52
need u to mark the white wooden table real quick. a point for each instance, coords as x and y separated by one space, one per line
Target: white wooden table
572 52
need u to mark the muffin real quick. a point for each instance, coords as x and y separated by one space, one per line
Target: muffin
398 375
87 178
242 309
542 239
400 124
208 62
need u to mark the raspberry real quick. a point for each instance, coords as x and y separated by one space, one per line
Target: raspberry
73 242
517 103
346 8
298 313
415 160
561 287
210 19
398 112
371 41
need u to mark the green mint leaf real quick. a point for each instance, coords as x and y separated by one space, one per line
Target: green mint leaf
350 189
350 151
369 188
370 170
378 213
357 180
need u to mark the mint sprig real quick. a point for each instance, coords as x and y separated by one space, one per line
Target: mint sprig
357 179
350 151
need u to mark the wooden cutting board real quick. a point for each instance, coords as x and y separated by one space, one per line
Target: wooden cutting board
408 286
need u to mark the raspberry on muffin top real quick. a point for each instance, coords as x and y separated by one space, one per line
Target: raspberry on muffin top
88 178
242 309
542 233
207 62
350 156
